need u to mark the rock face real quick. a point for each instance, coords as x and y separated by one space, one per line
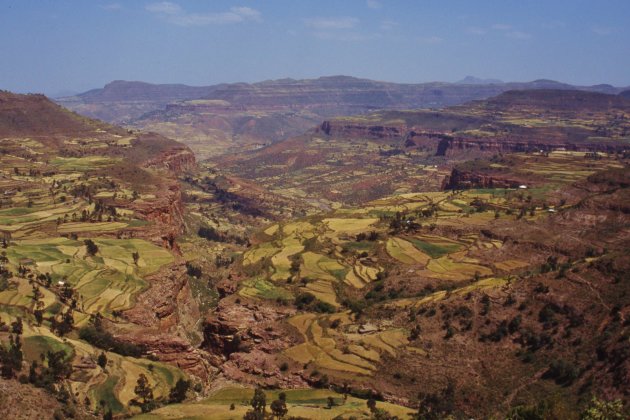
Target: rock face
470 146
462 180
166 212
515 121
340 129
163 312
244 339
176 160
176 351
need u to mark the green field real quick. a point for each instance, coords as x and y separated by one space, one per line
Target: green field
304 403
106 282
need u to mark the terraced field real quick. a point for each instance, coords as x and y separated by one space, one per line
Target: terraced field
301 403
331 254
488 283
114 384
340 352
106 282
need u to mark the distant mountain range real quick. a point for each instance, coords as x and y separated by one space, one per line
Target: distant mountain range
472 80
212 119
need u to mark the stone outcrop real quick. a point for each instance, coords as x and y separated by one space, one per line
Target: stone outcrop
339 128
166 211
461 180
158 303
164 313
244 339
470 146
176 160
176 351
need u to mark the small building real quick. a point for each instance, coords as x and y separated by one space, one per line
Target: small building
523 187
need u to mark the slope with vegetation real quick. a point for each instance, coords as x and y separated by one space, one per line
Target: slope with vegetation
368 269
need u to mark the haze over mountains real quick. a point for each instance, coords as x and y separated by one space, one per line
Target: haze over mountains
214 119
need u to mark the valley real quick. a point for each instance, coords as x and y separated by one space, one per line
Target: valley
394 263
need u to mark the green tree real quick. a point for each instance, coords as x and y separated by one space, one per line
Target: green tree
178 392
144 394
102 360
371 404
279 408
90 247
604 410
258 403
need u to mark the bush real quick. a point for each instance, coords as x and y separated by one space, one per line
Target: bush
104 340
562 372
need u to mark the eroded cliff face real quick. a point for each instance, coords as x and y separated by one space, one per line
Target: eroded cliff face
243 340
166 313
455 147
340 128
166 211
461 180
176 160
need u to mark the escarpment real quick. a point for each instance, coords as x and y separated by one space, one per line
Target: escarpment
459 179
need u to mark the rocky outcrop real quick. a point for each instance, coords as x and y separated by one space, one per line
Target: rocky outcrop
176 160
339 128
177 352
245 339
166 211
158 304
233 327
163 312
469 146
461 180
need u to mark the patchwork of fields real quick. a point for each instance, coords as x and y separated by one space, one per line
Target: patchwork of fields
67 225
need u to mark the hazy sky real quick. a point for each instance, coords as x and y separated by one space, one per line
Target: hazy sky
53 46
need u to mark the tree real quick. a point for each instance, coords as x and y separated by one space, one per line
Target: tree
39 316
279 408
603 410
90 247
136 257
11 357
330 402
371 404
144 394
178 392
17 326
102 360
258 403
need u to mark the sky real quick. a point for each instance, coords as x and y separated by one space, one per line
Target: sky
62 46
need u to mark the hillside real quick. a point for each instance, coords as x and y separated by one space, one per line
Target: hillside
89 215
415 150
216 119
452 261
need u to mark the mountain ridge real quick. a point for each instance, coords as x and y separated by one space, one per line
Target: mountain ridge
229 117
